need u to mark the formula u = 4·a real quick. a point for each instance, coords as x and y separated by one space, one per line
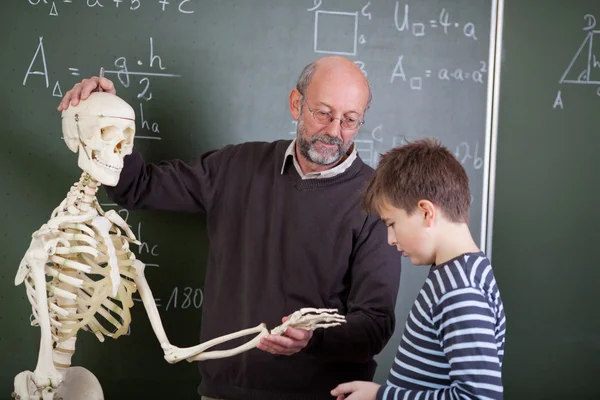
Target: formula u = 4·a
402 23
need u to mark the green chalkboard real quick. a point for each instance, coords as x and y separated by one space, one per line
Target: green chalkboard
546 215
200 75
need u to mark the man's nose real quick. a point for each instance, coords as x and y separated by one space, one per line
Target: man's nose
335 127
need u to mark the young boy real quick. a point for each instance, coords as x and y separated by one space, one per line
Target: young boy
453 342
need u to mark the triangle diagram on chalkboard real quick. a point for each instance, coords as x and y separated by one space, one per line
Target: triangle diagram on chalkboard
53 11
585 65
56 92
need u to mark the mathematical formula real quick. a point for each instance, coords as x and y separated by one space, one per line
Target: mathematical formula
131 5
39 67
443 23
415 81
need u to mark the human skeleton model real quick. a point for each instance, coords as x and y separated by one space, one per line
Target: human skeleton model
79 272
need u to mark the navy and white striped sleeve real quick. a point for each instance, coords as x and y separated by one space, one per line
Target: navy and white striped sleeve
465 324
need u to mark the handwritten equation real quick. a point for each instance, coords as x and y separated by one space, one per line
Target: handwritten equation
131 5
443 74
443 23
38 67
179 298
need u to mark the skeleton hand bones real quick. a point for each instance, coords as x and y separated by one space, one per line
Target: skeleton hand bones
296 331
306 318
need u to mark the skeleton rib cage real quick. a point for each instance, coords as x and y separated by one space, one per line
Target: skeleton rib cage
79 283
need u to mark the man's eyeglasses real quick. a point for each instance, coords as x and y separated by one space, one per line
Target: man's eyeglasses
325 118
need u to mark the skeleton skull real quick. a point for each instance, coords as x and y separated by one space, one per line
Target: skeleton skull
101 128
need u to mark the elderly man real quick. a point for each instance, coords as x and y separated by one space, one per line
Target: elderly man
286 232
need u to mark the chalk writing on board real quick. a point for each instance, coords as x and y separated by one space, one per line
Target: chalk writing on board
584 68
376 133
364 147
294 131
443 22
181 6
361 65
148 125
346 45
39 67
442 74
39 52
156 69
367 148
145 249
184 298
342 35
468 154
156 300
124 74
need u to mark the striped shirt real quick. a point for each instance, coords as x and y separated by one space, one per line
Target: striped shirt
453 341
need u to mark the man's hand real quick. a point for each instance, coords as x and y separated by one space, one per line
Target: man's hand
356 390
291 342
82 90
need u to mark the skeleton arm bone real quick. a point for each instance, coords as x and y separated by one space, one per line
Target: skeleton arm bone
150 306
34 262
198 353
174 354
305 318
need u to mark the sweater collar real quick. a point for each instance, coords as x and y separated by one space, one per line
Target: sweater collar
338 169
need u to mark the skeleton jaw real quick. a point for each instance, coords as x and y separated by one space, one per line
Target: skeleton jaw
106 171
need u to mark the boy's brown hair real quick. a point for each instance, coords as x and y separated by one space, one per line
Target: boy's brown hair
420 170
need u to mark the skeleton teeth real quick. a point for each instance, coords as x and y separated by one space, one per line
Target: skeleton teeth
106 165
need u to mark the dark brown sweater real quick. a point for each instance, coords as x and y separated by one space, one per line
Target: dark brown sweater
277 244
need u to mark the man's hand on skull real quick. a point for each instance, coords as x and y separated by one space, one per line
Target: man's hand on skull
82 90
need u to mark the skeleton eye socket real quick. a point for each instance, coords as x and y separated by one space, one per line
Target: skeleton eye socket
128 132
108 132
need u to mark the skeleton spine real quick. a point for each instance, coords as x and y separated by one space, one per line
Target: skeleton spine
79 200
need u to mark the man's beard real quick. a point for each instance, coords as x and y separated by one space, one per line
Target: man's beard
307 148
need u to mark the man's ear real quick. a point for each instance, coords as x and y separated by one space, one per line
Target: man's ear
428 211
295 103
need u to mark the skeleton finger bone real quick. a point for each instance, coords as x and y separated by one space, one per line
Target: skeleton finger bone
311 319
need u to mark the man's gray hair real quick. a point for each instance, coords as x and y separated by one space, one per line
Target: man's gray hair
306 77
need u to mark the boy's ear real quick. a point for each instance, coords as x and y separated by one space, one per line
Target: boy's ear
428 210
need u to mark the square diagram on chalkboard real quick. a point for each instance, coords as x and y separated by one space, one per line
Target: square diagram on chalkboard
336 32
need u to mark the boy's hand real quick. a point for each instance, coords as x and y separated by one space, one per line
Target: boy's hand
356 390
